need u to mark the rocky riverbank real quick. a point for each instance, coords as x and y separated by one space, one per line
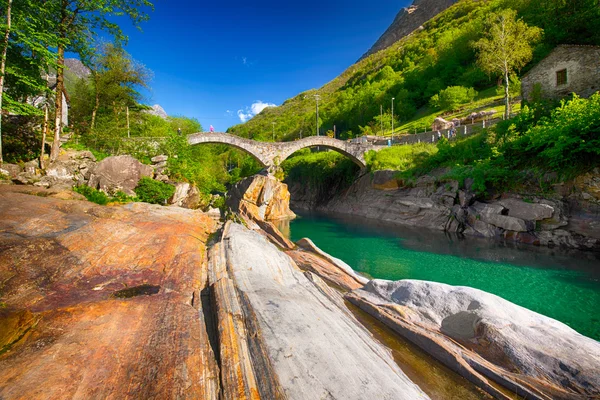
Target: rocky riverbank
568 216
136 301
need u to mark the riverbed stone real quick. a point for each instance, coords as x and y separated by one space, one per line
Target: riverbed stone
526 348
12 169
527 211
261 197
315 345
102 301
119 173
159 159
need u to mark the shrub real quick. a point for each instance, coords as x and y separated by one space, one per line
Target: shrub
93 195
150 191
99 197
399 158
453 96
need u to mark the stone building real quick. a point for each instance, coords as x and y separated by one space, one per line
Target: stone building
567 69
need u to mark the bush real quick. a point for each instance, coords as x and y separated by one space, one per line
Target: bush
453 96
399 158
150 191
99 197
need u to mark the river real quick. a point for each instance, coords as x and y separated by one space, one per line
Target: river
562 284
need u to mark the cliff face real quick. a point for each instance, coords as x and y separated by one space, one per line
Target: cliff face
408 20
568 217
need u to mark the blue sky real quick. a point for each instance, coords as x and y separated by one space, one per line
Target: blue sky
213 60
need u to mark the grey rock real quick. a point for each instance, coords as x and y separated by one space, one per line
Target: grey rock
159 159
532 344
528 211
407 21
12 169
182 190
31 167
317 348
161 178
160 165
119 173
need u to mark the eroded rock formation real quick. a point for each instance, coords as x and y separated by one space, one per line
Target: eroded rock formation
261 198
568 217
483 337
301 330
101 302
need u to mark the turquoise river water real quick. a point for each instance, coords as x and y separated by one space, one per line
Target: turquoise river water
564 285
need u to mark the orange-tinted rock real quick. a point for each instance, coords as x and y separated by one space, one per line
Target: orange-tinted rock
68 327
261 197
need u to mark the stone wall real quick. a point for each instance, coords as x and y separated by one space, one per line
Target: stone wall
583 73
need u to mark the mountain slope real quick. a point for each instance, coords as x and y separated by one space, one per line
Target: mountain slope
408 20
417 67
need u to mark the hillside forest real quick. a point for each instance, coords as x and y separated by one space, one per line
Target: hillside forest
438 70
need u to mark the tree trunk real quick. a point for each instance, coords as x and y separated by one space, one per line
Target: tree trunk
3 67
44 134
60 87
506 97
97 104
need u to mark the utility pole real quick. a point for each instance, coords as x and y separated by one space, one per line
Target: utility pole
381 117
273 130
317 97
393 98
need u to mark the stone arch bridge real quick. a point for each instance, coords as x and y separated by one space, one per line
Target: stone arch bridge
272 154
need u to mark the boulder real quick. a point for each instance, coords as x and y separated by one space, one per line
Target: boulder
31 167
260 197
385 180
119 173
12 169
159 159
518 348
440 124
193 200
528 211
494 214
306 335
182 190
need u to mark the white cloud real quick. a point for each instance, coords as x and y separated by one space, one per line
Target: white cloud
254 109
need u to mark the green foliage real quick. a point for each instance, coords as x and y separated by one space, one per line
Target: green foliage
399 158
320 170
506 47
453 96
99 197
150 191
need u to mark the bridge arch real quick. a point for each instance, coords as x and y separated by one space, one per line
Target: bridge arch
271 154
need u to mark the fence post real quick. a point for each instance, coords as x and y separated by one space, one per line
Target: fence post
465 129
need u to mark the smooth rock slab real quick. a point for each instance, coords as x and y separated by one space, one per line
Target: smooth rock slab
317 348
521 346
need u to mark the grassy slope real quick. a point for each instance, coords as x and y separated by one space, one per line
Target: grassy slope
352 99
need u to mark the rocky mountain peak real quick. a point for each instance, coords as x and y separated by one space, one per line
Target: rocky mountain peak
408 20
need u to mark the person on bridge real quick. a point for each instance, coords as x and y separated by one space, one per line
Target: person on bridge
211 128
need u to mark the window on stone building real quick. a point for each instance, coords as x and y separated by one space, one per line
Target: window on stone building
561 77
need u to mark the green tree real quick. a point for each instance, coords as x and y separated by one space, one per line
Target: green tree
116 78
506 47
25 56
3 64
453 96
77 23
